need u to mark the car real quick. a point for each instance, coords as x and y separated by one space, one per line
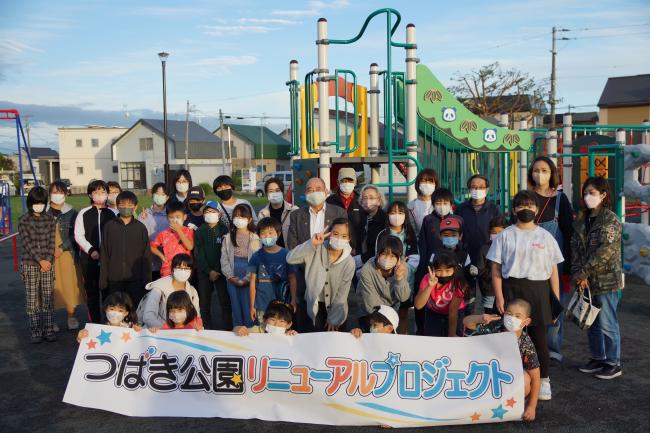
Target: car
285 176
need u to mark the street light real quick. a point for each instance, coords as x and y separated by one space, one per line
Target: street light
163 60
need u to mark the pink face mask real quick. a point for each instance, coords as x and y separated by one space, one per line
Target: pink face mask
99 198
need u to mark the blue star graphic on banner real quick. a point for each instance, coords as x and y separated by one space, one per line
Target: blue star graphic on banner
104 337
393 359
498 412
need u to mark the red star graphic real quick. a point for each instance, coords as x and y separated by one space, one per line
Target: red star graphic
511 402
91 344
126 336
475 416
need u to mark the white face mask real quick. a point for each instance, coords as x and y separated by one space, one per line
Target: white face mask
427 188
396 219
541 177
346 187
159 199
275 197
478 194
512 323
374 330
115 317
100 198
493 236
387 263
442 209
38 208
182 275
315 198
175 221
57 198
370 205
338 243
178 317
182 187
112 197
275 330
240 222
592 201
211 217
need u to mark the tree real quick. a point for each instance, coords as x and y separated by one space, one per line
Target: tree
6 164
491 90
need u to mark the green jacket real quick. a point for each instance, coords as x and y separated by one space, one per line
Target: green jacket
597 255
207 247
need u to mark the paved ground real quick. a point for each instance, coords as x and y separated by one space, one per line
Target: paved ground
34 377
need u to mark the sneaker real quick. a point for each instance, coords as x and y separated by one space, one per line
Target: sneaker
73 323
593 366
609 372
50 338
35 339
545 390
55 327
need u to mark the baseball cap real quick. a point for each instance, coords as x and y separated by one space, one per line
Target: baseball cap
196 193
390 314
347 173
211 204
450 223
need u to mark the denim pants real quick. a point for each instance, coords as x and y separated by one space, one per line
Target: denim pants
604 335
240 300
554 333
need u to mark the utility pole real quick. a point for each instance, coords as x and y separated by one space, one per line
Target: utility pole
262 141
552 101
223 150
187 133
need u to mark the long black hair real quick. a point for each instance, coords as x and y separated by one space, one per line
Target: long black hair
123 300
447 259
36 195
241 210
180 300
177 175
408 225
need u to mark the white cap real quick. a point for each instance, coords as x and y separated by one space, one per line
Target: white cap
390 314
347 173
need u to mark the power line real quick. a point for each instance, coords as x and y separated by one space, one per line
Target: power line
607 27
610 35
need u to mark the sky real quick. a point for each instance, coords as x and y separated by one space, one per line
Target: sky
79 62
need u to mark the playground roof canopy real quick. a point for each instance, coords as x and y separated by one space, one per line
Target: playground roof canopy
627 91
275 147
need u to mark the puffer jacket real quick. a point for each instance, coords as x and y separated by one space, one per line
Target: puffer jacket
596 255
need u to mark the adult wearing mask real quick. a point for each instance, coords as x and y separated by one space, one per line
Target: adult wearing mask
155 220
180 186
195 199
224 187
277 207
426 183
347 197
373 202
114 189
555 216
68 292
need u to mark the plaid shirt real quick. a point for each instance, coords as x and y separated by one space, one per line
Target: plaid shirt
37 234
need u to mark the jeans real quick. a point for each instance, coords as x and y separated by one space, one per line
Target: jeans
554 333
240 300
604 335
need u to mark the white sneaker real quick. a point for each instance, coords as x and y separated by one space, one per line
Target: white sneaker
73 323
545 390
55 327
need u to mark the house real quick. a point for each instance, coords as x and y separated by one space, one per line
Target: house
625 100
588 118
45 161
85 154
256 146
139 153
286 134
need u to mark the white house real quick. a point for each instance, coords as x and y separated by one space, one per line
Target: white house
85 154
139 153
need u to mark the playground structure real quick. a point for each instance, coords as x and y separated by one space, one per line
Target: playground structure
426 126
6 227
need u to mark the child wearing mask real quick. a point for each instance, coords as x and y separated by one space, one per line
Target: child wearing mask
119 311
383 320
270 275
177 239
237 248
441 296
384 279
278 207
277 320
155 220
195 199
484 266
207 252
152 311
515 319
181 313
88 231
329 269
224 187
524 265
426 183
125 255
36 230
114 189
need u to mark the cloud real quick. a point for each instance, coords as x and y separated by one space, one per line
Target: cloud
315 8
236 29
279 21
162 11
226 61
10 46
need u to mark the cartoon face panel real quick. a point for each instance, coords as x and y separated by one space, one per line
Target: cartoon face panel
448 114
490 135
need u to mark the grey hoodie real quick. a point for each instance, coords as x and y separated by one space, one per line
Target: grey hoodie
377 290
155 302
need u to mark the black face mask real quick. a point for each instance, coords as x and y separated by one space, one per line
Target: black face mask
195 207
525 215
445 280
225 194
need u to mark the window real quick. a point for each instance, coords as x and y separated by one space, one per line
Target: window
133 175
146 144
115 169
80 170
78 141
94 142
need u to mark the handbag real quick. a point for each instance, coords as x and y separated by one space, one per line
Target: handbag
582 309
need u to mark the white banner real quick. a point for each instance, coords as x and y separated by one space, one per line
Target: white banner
323 378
